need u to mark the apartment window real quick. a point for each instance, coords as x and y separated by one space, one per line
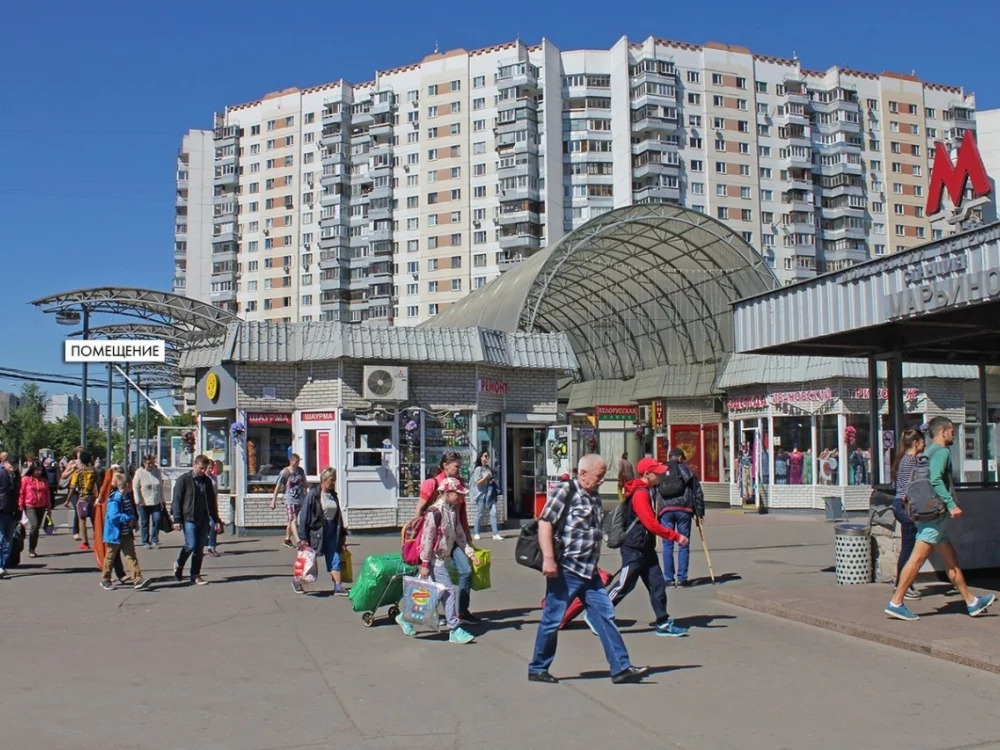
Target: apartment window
432 176
694 121
694 142
744 170
456 128
432 111
432 154
478 126
479 170
721 190
432 198
767 217
254 149
456 172
765 173
894 107
918 190
413 137
432 243
412 289
255 130
932 132
479 147
763 151
875 165
900 230
694 98
456 107
720 144
432 132
697 188
432 286
413 202
931 113
878 207
716 79
693 76
741 83
412 311
456 85
747 237
412 96
456 285
478 82
764 130
252 265
432 309
271 125
912 109
479 103
479 282
456 217
746 214
766 195
745 192
893 127
720 167
412 180
743 126
255 167
479 238
722 212
253 207
914 130
897 167
897 188
718 101
456 240
479 191
741 104
413 246
432 264
413 223
762 87
697 165
432 90
914 150
744 148
873 105
456 195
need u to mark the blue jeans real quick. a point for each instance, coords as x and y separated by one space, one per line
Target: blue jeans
150 533
908 535
679 521
195 539
8 524
486 502
211 536
464 567
559 592
331 550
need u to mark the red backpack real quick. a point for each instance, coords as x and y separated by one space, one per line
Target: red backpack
413 534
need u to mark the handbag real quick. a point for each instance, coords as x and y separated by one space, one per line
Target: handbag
528 551
166 523
346 567
47 525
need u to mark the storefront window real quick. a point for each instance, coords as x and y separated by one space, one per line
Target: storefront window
828 458
215 443
409 454
713 458
175 447
792 450
368 444
857 437
488 441
585 441
269 445
446 434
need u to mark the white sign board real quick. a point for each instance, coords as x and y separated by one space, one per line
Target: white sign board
115 351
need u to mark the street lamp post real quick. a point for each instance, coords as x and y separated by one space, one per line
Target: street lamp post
138 419
108 426
83 406
125 409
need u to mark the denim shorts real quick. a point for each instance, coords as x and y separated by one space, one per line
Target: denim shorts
933 532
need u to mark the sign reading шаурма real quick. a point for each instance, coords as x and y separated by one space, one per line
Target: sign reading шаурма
112 351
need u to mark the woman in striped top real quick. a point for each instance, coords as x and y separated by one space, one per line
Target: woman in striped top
911 446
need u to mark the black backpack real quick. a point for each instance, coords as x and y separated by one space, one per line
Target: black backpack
672 483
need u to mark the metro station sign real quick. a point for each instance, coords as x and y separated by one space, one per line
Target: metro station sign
953 177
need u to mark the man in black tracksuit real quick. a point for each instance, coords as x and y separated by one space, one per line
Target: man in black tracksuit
639 559
10 515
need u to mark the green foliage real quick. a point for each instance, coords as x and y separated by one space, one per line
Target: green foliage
25 433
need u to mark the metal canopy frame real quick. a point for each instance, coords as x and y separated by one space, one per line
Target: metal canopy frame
636 288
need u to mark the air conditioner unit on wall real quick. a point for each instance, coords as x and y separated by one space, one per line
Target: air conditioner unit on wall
385 383
644 413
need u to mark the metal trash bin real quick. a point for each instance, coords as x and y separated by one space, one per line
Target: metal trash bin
853 550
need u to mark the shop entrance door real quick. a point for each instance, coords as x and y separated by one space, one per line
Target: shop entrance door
369 469
525 478
749 460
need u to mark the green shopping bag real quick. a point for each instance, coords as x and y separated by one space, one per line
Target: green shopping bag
480 573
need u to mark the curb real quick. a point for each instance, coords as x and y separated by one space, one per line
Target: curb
929 648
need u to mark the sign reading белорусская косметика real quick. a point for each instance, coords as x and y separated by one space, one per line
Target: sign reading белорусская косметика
115 351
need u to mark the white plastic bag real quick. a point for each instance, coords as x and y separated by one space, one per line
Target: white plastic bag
305 564
421 597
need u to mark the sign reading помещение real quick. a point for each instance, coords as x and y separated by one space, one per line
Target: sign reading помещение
112 351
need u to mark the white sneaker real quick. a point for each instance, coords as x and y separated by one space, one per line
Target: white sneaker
497 536
475 537
3 573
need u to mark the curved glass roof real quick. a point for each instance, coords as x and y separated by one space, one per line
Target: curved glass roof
636 288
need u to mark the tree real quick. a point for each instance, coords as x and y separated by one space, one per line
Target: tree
25 432
184 419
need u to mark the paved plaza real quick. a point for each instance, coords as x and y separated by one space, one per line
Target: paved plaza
244 663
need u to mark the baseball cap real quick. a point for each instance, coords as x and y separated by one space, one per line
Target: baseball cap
647 465
677 453
451 484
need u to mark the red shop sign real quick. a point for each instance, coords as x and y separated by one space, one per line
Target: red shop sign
263 418
499 387
318 416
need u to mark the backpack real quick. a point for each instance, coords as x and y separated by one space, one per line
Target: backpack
412 535
671 484
920 500
615 529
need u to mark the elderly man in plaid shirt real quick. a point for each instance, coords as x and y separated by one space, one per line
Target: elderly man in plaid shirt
576 510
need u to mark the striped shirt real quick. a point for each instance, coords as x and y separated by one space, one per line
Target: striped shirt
903 473
582 530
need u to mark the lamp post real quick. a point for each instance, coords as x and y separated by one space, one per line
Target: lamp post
72 318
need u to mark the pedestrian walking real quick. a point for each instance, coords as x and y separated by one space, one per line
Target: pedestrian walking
911 446
292 481
35 502
119 536
147 489
321 526
639 549
10 510
574 516
83 487
195 510
98 515
69 469
933 534
626 474
443 534
451 464
677 514
483 491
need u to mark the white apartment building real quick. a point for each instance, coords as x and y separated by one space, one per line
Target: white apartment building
61 405
385 201
988 135
194 263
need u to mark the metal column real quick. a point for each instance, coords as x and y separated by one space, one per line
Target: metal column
984 425
894 381
874 440
111 385
125 413
85 316
138 419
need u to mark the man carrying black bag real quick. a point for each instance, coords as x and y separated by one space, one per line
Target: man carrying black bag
576 509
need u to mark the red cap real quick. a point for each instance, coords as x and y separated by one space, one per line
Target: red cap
650 465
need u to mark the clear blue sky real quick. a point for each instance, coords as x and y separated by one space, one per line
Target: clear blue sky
95 98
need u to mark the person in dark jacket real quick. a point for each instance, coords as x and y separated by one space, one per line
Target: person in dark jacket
10 515
321 526
195 510
677 513
639 550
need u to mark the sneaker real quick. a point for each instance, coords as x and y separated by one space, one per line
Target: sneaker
586 619
3 573
900 612
154 545
107 585
76 537
476 537
629 674
542 677
458 635
297 587
288 543
468 618
212 552
84 547
670 630
142 583
912 593
339 591
178 572
148 545
980 605
498 538
406 627
199 581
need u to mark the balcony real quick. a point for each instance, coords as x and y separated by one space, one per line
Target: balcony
518 193
522 75
224 178
802 249
519 217
381 128
380 235
844 211
509 261
797 160
331 198
520 242
221 234
841 167
332 112
845 232
226 135
795 93
792 116
224 295
380 213
657 194
655 169
801 273
653 145
381 249
330 158
646 124
849 255
383 103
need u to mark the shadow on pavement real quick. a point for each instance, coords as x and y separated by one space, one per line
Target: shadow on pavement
603 674
505 619
720 579
249 577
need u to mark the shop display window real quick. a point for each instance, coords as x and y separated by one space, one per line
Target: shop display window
369 445
828 456
410 446
444 434
268 450
793 450
175 447
216 444
857 438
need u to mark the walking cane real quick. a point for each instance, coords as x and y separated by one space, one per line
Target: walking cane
704 546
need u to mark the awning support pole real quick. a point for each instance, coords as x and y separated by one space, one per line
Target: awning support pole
874 440
984 425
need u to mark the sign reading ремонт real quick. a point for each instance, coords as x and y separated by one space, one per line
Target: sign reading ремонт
112 351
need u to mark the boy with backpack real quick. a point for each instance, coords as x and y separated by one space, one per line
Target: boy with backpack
677 513
119 535
83 485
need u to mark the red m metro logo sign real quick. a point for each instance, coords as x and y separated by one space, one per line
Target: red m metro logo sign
968 167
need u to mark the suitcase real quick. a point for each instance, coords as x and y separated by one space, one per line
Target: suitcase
16 546
576 606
